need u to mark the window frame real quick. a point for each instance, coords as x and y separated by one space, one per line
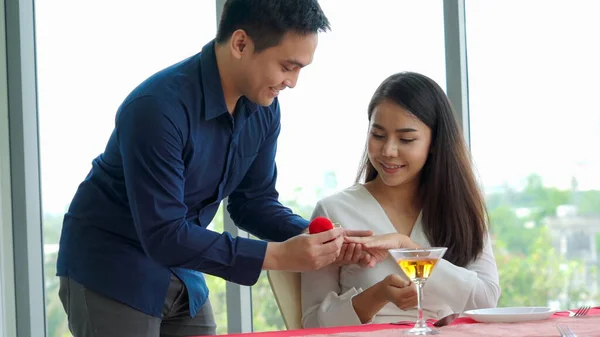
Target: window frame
22 294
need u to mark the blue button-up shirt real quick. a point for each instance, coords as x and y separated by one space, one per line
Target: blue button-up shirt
175 153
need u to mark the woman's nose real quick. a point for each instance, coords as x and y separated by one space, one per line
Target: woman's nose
390 149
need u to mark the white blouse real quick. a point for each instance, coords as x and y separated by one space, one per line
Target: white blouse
327 293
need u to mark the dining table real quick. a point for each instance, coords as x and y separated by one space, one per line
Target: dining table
583 326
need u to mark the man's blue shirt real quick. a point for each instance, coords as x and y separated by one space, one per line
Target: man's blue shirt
174 154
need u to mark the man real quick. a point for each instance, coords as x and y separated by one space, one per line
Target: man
134 242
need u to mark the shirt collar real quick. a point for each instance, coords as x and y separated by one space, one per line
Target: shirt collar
214 98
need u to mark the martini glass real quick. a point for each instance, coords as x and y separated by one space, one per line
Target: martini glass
418 264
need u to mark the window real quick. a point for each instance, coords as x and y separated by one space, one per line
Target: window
90 55
535 129
534 122
324 119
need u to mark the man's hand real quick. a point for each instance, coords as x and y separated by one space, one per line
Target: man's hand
304 252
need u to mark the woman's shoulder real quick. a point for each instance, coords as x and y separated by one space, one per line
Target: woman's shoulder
351 195
347 201
348 207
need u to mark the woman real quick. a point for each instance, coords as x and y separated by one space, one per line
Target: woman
419 190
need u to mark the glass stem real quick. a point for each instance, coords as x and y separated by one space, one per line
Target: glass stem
421 323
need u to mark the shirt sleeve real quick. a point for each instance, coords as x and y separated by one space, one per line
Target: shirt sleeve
151 135
323 304
474 287
254 205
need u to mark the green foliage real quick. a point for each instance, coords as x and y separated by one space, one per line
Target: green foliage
56 319
531 271
511 231
588 202
534 278
266 316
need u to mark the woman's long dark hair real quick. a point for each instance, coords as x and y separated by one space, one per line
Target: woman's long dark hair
454 212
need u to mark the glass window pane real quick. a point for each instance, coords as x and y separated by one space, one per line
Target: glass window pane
535 129
216 285
324 119
90 55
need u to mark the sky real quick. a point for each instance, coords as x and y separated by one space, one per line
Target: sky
533 82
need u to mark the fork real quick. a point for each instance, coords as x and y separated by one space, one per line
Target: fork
565 331
582 311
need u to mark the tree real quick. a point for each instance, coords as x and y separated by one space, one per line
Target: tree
511 230
266 315
588 202
56 319
542 200
536 277
531 271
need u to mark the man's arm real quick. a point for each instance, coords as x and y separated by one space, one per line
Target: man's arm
151 135
254 205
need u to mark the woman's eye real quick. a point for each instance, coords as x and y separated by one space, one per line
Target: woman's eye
404 140
377 136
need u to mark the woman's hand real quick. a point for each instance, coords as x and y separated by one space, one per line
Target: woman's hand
393 289
352 253
378 245
399 291
384 241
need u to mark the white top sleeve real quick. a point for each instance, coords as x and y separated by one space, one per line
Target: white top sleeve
474 287
322 305
327 293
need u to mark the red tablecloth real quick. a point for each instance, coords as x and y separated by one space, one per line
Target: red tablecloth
588 325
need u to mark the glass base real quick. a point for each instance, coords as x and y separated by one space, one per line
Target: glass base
421 331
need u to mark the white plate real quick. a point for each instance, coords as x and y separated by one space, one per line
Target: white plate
510 315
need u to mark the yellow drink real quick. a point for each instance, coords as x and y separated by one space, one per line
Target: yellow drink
418 268
418 264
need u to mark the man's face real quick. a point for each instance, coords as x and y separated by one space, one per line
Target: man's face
266 73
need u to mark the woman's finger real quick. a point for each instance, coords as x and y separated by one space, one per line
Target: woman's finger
342 252
358 233
357 253
357 239
349 251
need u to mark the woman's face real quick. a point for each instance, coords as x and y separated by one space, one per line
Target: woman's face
398 144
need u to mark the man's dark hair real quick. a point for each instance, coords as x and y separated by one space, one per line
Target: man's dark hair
266 21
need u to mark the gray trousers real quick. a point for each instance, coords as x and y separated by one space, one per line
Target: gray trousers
93 315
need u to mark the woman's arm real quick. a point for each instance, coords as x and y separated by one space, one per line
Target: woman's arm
476 286
323 306
322 303
393 289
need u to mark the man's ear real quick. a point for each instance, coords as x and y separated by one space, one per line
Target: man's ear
240 44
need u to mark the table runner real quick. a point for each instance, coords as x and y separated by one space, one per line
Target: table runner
588 325
582 326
